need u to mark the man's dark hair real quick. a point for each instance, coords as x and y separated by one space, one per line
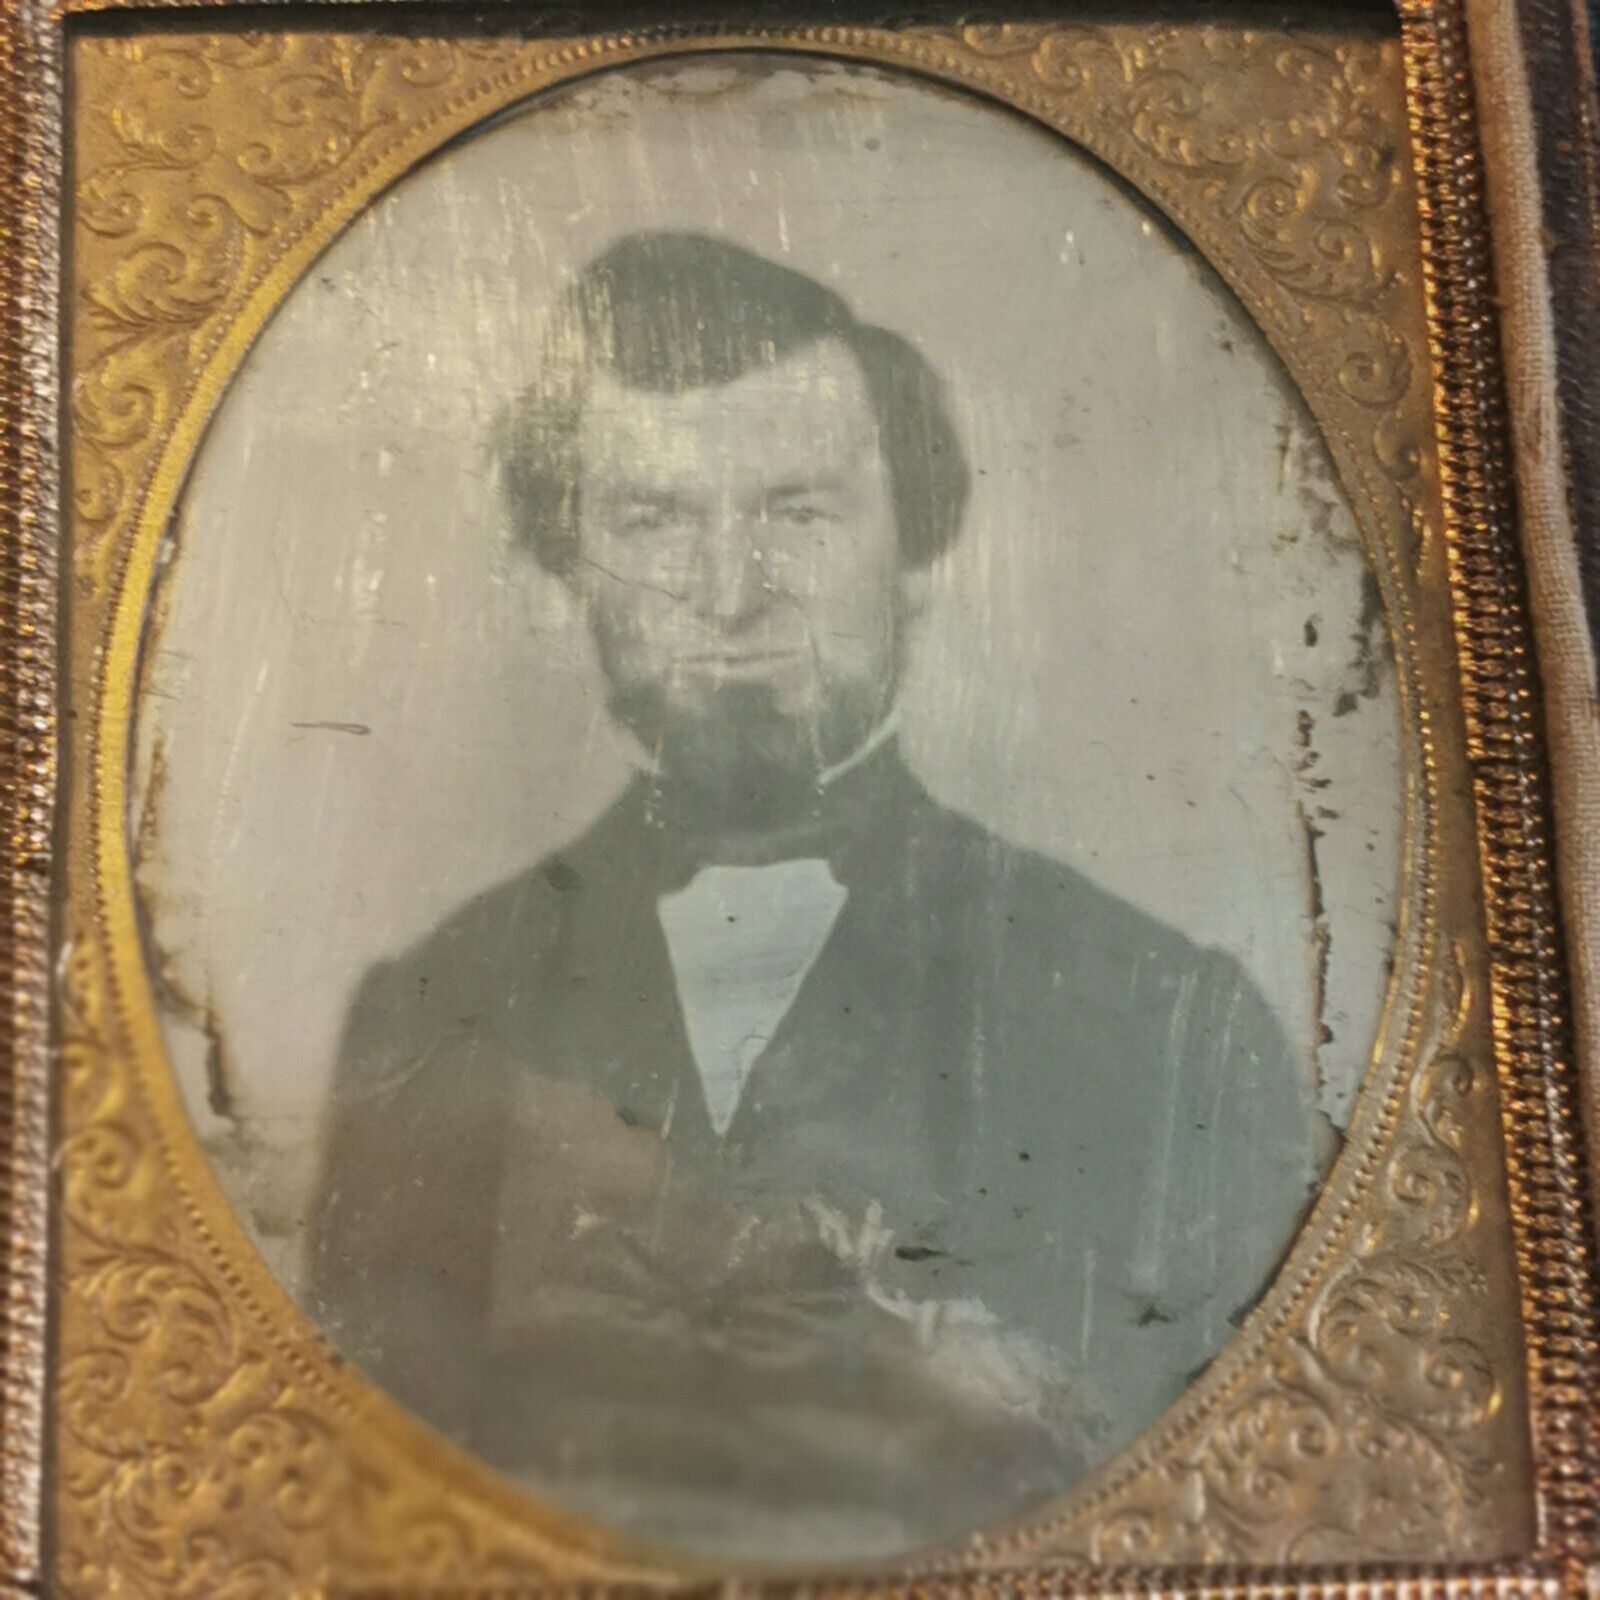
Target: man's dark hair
666 312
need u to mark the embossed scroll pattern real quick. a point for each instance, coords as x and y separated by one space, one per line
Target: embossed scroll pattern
1292 144
1296 145
195 1459
190 193
1384 1370
208 1444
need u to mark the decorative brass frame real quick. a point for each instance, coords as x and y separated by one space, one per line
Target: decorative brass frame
199 1450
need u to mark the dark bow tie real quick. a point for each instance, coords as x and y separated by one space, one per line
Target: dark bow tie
845 822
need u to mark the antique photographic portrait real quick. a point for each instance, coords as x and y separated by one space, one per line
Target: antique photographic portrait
777 901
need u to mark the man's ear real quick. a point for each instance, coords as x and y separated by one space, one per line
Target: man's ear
916 589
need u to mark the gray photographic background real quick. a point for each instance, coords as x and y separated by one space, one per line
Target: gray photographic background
1154 653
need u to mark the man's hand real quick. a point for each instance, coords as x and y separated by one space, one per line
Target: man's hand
583 1147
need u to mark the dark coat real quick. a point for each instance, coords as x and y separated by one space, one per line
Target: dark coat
1012 1166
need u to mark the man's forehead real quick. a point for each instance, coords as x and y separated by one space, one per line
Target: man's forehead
813 401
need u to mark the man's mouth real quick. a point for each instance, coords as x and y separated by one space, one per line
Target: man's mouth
737 663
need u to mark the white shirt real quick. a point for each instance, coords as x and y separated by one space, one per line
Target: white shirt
742 940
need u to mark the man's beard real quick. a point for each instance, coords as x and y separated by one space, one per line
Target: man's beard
738 758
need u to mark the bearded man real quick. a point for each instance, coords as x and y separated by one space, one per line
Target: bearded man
787 1166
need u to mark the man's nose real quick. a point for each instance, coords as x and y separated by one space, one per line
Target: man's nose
730 586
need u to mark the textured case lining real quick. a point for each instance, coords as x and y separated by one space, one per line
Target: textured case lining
1549 495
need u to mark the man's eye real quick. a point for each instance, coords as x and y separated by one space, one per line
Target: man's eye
642 519
804 515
